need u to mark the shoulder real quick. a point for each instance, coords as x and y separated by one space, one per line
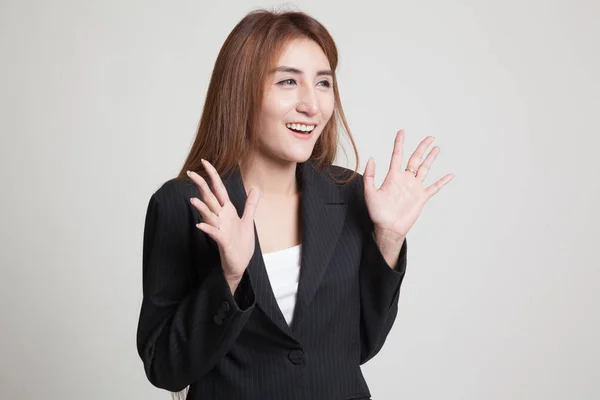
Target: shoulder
170 217
175 190
354 185
170 211
338 172
172 200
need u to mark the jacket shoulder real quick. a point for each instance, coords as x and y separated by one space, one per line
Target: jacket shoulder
342 173
175 189
353 187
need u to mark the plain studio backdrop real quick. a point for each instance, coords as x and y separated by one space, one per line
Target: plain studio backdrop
100 101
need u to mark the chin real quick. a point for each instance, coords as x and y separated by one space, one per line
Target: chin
298 157
301 157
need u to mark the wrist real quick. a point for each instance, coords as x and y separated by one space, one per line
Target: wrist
388 238
389 245
233 282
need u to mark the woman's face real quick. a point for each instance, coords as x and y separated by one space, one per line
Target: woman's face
298 97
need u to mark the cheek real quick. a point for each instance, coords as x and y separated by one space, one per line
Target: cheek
327 105
275 108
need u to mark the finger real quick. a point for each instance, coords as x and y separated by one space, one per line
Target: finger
207 215
210 230
217 183
396 162
207 195
434 188
414 162
251 204
426 165
369 176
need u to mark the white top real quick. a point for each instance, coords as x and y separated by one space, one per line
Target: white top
283 268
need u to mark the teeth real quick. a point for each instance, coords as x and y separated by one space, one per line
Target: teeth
301 127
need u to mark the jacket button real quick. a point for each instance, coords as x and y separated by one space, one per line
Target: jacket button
221 313
296 357
218 320
225 306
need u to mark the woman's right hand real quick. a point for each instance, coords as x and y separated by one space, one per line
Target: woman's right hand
234 235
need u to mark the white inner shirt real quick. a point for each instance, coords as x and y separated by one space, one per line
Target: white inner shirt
283 268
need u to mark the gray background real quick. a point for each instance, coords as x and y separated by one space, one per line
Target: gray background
99 102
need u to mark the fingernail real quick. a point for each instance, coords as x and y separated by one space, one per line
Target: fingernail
187 172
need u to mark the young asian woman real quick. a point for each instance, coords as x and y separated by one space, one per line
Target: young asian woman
269 272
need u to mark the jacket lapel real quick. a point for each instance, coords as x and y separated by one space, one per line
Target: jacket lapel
322 217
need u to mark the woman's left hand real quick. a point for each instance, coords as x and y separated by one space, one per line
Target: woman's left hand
396 205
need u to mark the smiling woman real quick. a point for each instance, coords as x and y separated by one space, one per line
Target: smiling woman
294 314
301 84
276 70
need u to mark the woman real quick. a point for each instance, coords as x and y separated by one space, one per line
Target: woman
268 272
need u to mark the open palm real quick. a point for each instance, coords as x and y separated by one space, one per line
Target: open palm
397 204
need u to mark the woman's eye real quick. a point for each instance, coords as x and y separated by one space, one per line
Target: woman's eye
291 81
287 80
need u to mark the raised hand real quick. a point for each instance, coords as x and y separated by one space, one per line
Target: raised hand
396 205
234 235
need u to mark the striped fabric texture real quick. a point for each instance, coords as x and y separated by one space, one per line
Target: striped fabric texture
193 334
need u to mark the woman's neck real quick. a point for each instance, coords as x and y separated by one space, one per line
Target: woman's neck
273 178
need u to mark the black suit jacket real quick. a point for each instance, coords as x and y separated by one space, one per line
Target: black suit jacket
192 331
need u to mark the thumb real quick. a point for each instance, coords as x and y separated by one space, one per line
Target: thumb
251 204
369 176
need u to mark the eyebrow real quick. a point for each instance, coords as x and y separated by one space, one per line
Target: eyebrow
296 71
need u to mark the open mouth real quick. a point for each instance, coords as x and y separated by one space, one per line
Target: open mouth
301 128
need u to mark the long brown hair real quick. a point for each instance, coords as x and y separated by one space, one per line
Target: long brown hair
228 126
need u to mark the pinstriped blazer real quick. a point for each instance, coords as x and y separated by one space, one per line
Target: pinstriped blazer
193 331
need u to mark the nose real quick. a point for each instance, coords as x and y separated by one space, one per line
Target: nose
308 103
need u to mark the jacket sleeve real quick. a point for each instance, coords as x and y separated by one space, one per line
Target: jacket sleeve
379 288
189 318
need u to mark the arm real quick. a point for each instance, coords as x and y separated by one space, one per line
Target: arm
379 294
394 208
180 334
379 285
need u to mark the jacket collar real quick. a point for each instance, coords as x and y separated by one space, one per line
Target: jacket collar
323 212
